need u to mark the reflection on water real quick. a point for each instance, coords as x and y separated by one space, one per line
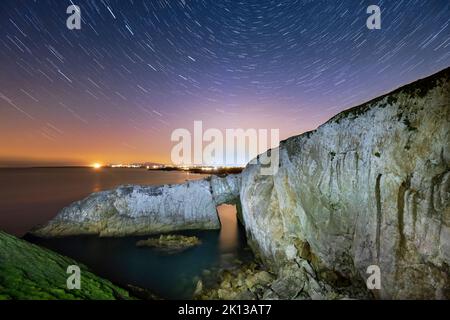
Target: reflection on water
169 276
229 227
32 196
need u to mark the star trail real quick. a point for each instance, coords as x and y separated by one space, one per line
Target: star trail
114 90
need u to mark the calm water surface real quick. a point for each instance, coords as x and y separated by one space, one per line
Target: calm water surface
168 276
33 196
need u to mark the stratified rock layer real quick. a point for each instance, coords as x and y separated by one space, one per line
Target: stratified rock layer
28 271
369 187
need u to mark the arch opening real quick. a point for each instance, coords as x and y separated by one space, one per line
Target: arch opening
231 230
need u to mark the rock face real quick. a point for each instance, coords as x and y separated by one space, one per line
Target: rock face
144 210
28 271
369 187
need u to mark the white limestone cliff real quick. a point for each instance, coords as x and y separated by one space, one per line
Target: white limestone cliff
369 187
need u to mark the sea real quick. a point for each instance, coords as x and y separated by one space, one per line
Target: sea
32 196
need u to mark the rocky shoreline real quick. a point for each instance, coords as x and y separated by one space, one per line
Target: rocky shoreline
253 281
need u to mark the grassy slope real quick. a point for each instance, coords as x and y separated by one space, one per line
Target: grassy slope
28 271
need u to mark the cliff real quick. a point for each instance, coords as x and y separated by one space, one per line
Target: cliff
28 271
369 187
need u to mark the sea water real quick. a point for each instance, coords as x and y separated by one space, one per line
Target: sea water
32 196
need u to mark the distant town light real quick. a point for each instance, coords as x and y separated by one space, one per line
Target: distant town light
96 165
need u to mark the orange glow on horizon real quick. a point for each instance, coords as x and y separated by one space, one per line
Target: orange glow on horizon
116 143
97 165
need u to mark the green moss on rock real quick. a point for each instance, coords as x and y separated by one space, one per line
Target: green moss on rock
29 272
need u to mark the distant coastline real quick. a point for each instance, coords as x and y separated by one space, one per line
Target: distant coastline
199 170
202 170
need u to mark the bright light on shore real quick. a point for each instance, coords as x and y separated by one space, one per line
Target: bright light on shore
96 165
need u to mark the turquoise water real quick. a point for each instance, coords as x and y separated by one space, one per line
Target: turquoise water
168 276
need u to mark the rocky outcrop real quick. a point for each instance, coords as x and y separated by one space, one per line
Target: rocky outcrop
145 210
170 244
29 272
292 282
369 187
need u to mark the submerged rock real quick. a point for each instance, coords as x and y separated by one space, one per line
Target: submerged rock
170 244
141 293
28 271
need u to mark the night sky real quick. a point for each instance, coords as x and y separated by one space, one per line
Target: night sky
114 90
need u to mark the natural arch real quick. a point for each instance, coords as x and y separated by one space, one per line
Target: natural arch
229 235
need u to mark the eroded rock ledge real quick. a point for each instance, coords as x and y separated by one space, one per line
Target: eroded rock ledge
145 210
